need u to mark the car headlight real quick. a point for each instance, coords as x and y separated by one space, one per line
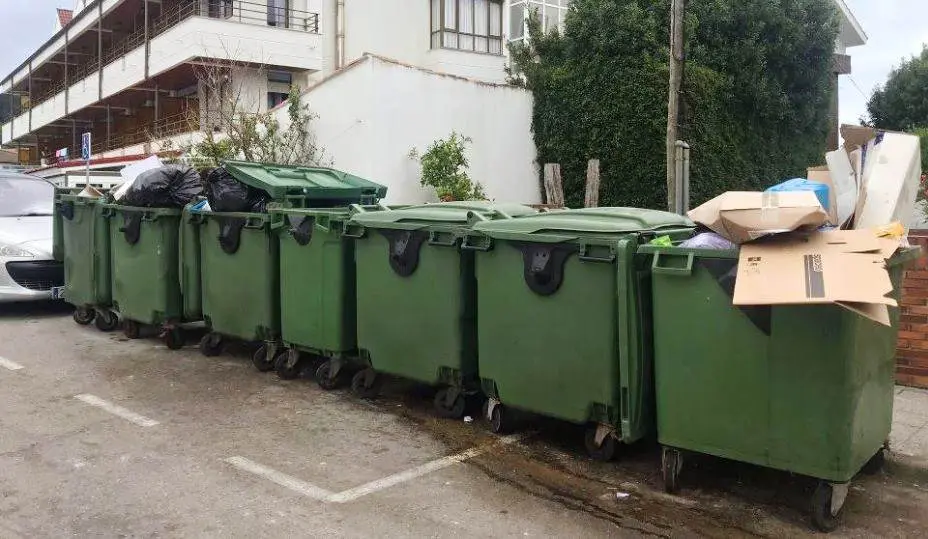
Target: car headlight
14 251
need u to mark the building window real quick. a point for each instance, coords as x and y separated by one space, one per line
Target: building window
551 12
275 98
468 25
278 12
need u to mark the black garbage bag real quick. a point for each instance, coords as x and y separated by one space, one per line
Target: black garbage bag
170 186
225 193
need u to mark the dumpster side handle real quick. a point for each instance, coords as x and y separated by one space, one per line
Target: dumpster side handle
682 271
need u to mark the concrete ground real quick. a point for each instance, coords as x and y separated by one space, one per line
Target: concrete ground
104 436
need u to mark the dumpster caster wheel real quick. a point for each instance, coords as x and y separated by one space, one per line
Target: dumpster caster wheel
875 464
83 315
366 384
260 359
671 464
288 364
324 378
603 451
173 338
827 505
131 329
106 321
211 345
455 410
501 420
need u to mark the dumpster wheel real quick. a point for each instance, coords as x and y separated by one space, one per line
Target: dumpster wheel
671 464
289 364
211 344
173 338
106 320
263 358
501 421
366 384
452 410
324 377
84 315
827 505
603 451
131 329
876 463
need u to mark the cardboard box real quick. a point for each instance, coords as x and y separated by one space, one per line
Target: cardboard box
842 267
743 216
821 175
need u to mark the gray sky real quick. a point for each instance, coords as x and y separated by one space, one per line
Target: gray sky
896 29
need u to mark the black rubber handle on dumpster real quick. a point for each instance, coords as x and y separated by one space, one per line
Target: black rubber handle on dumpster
131 226
230 233
404 249
543 265
725 271
301 228
66 209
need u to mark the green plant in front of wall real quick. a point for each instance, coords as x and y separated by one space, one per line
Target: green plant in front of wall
444 169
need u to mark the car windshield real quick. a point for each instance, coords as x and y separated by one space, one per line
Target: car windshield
25 196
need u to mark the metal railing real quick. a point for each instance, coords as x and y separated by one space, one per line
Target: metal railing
177 124
232 10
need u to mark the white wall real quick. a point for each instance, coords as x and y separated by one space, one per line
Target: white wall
401 30
227 40
373 114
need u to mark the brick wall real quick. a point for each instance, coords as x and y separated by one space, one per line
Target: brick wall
912 350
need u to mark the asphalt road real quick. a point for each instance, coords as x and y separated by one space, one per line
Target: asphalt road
101 436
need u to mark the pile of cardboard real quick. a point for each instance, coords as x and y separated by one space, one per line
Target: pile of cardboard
789 254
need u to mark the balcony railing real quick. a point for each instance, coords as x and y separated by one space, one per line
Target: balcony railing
184 122
233 10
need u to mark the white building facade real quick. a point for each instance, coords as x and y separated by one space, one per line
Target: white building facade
126 70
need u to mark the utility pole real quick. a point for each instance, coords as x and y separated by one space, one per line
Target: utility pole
673 99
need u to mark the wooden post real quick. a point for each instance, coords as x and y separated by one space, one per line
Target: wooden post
673 98
554 188
592 184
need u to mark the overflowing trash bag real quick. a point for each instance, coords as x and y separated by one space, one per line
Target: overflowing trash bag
170 186
226 194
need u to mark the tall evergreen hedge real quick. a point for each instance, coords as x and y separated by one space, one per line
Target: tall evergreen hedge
756 91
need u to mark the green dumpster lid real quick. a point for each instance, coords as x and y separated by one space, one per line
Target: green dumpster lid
586 220
453 213
314 183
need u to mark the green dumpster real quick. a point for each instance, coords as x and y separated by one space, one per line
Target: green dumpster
86 245
58 224
416 297
239 252
806 389
146 270
317 287
565 319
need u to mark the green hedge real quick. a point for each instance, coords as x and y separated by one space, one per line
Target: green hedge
756 90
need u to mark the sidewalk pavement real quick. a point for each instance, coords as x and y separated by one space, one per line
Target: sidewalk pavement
909 436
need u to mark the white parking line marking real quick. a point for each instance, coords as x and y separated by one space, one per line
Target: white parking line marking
318 493
419 471
10 365
282 479
117 410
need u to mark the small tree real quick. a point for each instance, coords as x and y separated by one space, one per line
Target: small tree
233 126
444 168
901 103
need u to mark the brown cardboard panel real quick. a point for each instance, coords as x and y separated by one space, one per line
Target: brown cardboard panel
845 268
743 216
821 175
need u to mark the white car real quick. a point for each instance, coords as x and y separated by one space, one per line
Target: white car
27 269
